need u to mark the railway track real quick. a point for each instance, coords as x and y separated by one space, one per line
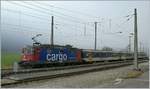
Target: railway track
7 72
34 76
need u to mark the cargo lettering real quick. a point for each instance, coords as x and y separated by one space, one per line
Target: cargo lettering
57 57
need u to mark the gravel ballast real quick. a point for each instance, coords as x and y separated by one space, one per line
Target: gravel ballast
89 80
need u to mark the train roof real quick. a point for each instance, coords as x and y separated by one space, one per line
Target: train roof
51 46
91 50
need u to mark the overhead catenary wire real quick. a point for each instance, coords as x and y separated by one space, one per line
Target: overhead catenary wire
56 21
68 10
47 13
58 16
79 27
73 11
126 20
73 26
68 24
53 11
21 26
16 28
40 7
43 19
29 7
35 29
27 14
34 9
39 20
26 33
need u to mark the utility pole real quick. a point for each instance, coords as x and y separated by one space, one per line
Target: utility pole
52 32
95 35
135 41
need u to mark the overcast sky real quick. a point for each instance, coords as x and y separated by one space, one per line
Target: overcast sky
73 23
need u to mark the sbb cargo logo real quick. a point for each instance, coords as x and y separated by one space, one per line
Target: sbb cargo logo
57 57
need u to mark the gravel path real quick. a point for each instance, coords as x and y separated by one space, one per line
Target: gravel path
89 80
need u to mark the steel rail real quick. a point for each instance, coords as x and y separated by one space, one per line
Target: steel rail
71 73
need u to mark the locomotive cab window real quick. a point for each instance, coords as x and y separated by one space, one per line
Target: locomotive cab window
28 50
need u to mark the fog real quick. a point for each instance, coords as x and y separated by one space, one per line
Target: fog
73 23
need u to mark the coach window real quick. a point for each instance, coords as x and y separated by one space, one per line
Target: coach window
97 54
94 54
101 54
106 54
84 54
110 54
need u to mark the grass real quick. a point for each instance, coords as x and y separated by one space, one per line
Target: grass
7 59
